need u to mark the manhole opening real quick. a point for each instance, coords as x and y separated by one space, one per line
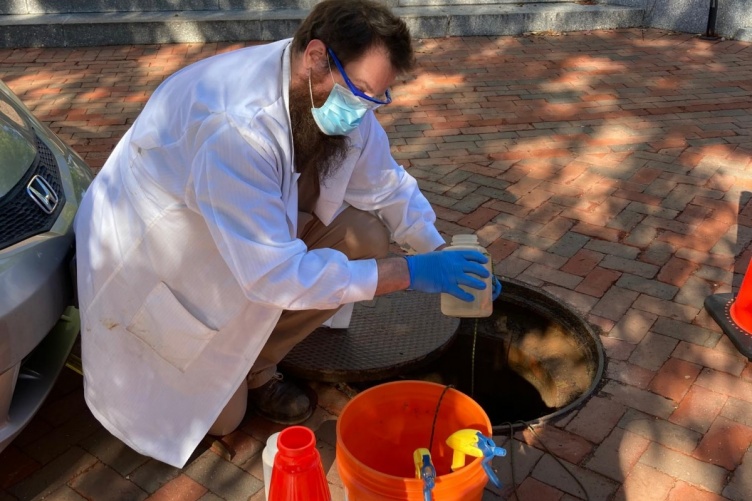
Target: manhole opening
534 359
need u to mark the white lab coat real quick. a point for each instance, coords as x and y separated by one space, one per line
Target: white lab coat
187 250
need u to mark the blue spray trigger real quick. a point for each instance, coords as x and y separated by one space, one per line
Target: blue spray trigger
490 451
474 443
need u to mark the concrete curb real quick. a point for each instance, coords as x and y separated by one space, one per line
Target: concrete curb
744 35
124 28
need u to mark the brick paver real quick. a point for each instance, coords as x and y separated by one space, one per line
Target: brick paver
725 443
645 483
596 419
617 454
674 379
660 431
609 168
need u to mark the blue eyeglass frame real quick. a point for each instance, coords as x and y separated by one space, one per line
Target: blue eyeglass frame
352 86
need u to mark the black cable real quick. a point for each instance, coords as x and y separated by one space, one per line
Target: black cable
511 425
511 445
511 460
436 415
511 456
472 361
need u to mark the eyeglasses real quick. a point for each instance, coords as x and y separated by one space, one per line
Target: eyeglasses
387 95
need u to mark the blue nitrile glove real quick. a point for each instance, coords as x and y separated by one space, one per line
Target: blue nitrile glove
496 290
445 271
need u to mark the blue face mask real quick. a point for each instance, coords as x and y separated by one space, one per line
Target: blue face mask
341 113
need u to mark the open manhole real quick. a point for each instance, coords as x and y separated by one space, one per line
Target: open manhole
532 360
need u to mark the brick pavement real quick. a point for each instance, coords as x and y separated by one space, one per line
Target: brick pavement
610 168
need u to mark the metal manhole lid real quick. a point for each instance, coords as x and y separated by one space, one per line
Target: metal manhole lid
386 336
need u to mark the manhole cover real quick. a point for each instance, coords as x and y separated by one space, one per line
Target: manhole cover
386 337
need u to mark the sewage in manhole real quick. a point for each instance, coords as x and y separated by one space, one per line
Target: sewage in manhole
535 358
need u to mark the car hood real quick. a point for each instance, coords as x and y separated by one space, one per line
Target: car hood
17 153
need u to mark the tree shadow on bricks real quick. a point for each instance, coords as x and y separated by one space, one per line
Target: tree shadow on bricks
605 167
610 177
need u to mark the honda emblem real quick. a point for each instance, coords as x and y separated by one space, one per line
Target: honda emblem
41 192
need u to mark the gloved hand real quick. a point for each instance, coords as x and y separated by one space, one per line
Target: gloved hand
445 271
496 290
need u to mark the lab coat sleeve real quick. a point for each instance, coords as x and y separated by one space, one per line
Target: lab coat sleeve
237 179
379 184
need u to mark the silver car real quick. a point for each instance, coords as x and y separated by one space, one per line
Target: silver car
42 182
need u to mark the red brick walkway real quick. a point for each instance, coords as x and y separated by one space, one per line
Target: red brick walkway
609 168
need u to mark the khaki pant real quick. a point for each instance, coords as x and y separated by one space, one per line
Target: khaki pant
358 235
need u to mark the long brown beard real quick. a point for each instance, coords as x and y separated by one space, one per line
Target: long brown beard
313 149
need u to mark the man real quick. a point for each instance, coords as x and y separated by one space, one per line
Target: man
253 196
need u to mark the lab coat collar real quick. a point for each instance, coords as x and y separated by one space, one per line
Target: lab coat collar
286 75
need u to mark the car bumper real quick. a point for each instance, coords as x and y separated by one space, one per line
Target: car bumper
35 376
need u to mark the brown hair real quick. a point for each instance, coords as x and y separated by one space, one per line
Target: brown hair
352 27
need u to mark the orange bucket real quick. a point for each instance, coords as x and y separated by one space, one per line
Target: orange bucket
379 429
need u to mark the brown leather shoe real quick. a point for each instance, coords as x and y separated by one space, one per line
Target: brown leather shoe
282 401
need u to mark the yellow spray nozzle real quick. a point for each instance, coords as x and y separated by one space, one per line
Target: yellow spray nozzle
463 442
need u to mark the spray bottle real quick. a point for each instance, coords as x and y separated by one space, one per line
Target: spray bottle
425 471
474 443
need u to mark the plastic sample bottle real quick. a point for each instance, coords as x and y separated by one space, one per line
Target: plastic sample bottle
267 459
298 474
482 304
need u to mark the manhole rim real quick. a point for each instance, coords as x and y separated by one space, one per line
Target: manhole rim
535 299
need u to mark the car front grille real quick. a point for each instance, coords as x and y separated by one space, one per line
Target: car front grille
20 216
